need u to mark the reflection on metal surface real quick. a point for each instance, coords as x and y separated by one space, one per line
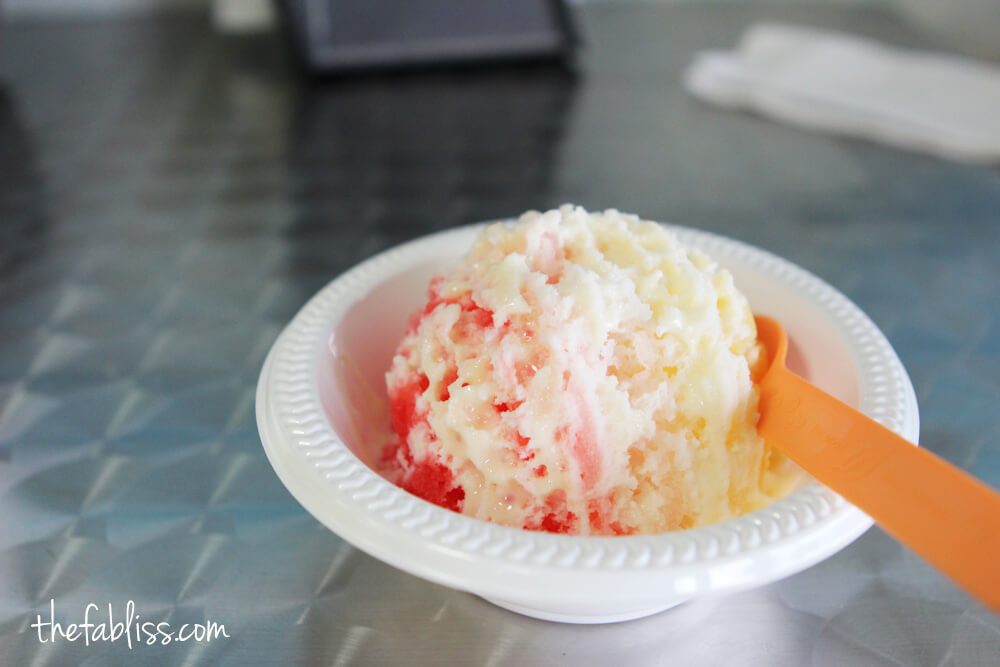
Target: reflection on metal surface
388 158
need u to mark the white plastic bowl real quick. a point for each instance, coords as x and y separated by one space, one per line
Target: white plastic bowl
322 413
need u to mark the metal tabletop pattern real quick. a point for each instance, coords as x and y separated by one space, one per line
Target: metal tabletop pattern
170 198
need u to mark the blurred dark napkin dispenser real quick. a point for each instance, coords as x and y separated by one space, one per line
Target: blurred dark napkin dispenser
341 35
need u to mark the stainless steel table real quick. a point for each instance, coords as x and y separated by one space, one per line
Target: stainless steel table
169 198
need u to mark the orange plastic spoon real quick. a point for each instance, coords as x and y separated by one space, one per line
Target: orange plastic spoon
945 515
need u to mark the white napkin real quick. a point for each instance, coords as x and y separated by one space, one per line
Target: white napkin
924 101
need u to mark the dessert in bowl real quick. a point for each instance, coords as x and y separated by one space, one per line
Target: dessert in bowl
587 374
325 419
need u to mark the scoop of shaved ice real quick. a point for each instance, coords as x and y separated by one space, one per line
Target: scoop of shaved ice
583 373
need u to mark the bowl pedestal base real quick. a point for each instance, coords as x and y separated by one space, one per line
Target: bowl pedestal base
565 614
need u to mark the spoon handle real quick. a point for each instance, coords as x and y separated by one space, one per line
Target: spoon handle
945 515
